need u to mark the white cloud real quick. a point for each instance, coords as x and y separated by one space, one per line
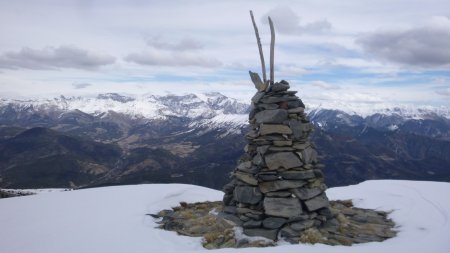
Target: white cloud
290 70
325 85
440 80
443 91
425 46
54 58
185 44
163 58
213 42
185 52
81 85
286 21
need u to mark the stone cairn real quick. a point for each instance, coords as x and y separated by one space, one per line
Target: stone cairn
278 186
277 189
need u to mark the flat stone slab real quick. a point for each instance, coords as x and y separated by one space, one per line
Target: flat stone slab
243 210
306 193
279 194
308 155
265 129
251 170
302 225
268 106
284 160
301 146
262 149
258 160
259 84
267 177
271 116
247 194
252 224
257 97
286 143
282 207
246 177
305 174
281 149
297 128
296 104
245 166
272 186
269 234
274 100
273 222
282 86
318 202
296 110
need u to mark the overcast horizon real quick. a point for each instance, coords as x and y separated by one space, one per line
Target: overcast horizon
353 51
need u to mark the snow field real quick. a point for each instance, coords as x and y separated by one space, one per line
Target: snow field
112 219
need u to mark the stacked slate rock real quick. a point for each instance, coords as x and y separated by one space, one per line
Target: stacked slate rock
277 189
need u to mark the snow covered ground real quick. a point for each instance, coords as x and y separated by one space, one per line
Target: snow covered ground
112 219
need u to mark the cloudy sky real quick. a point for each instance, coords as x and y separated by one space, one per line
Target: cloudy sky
384 51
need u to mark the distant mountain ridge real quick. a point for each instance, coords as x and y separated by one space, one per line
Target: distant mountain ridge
197 138
212 106
205 105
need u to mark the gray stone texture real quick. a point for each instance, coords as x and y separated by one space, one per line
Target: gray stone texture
294 175
273 222
252 224
271 116
258 160
279 87
296 110
282 143
265 129
302 225
306 193
316 203
279 194
257 97
297 129
246 177
247 194
266 233
284 160
272 186
309 155
274 100
279 174
282 207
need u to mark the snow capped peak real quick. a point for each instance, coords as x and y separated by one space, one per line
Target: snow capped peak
213 109
115 97
406 111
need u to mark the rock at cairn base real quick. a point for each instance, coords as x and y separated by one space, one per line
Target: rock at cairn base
278 188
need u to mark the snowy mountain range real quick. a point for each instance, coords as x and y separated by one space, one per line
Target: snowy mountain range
197 138
216 111
213 106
